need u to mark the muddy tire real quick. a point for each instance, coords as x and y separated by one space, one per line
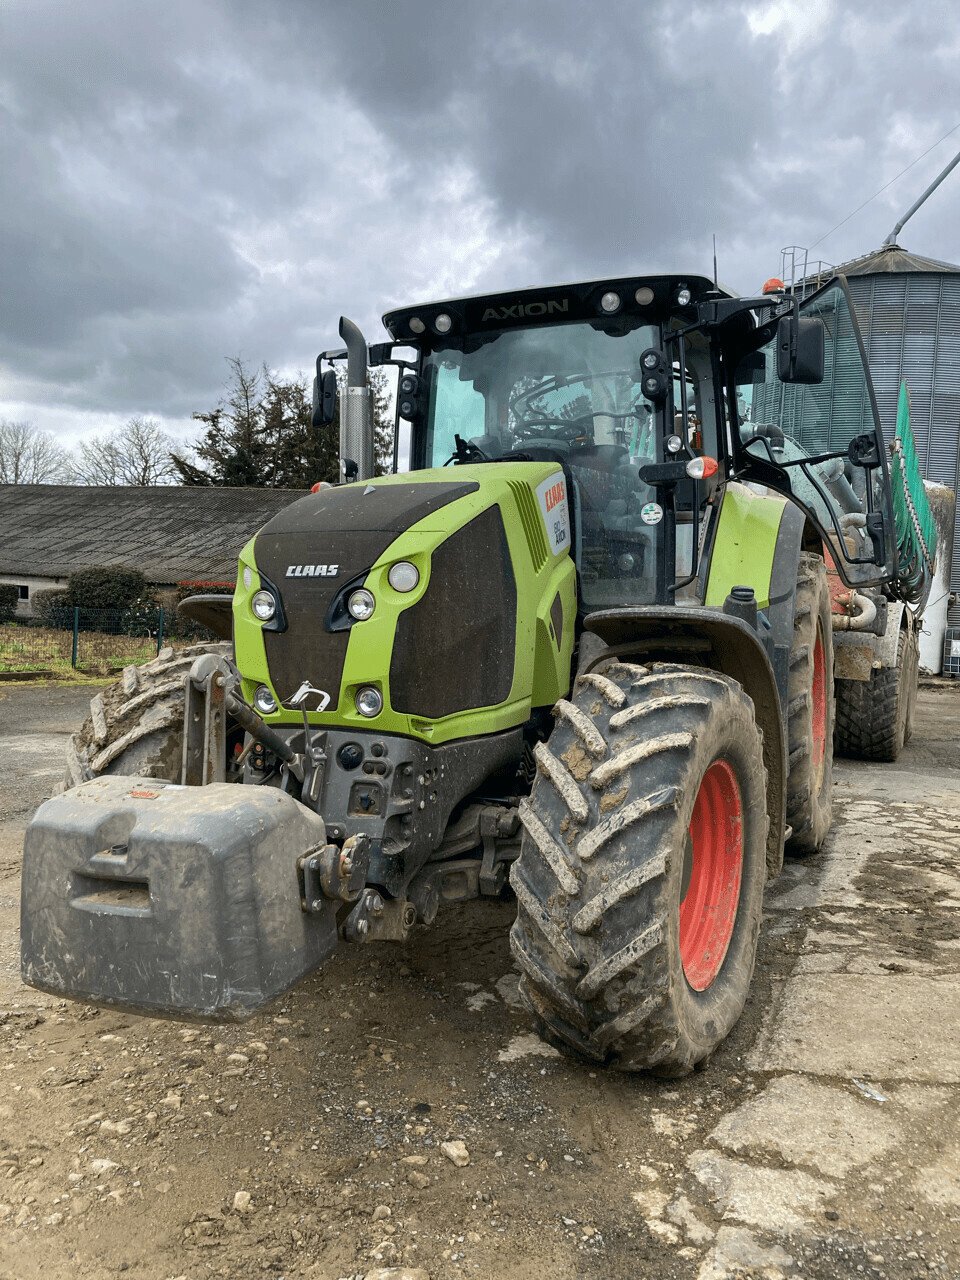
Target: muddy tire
810 711
640 878
135 726
875 716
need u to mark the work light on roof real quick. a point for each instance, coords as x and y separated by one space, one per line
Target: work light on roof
644 295
443 323
684 296
416 325
610 302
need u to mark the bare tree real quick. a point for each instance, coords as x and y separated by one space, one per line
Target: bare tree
138 453
30 456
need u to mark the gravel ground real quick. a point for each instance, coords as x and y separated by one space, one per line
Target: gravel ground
395 1112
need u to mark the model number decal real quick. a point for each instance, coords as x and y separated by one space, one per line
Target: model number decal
312 570
552 497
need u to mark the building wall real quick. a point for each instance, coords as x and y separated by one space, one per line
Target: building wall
32 585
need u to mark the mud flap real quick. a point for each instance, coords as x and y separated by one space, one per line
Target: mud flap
169 900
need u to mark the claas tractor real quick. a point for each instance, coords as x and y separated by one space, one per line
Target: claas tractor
582 651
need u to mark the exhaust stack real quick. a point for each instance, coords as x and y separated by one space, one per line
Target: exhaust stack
356 408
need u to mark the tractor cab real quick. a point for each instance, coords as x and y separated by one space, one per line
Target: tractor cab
582 376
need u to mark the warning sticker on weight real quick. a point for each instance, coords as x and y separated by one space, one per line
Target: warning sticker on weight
552 496
651 513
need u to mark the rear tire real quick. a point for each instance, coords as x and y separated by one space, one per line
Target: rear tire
650 774
875 716
810 711
135 726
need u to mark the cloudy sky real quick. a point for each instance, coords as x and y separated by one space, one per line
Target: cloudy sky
185 180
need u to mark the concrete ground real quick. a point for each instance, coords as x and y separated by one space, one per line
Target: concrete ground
822 1141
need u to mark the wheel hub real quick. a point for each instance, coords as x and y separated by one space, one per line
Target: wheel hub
711 877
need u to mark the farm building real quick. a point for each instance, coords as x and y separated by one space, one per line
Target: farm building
171 533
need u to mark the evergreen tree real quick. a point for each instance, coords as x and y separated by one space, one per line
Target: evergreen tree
260 434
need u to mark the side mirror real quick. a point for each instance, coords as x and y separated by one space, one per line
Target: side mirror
324 397
800 349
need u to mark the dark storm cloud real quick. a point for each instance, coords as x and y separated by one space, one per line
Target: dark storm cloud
187 181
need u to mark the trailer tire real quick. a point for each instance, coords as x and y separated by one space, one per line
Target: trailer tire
810 711
643 860
135 726
875 716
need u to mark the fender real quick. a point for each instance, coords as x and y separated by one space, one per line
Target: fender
708 638
210 611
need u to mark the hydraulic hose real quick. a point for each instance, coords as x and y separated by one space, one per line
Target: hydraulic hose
248 719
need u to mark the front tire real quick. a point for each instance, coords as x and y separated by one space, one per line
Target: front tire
640 878
135 726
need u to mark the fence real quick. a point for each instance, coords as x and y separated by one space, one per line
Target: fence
98 641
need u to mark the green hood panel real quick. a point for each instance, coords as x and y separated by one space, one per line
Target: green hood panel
314 548
495 629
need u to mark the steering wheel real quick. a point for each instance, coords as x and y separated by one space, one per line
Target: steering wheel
569 429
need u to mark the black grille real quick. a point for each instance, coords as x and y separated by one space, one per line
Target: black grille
454 649
347 528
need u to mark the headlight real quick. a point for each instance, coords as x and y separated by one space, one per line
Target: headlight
684 296
369 701
610 302
403 576
264 701
263 605
361 604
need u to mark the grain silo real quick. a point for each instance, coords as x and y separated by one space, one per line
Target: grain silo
908 308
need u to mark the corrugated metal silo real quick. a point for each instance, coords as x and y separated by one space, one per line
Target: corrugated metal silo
908 308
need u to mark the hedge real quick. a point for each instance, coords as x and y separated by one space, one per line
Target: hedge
9 595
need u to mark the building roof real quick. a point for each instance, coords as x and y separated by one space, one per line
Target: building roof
171 533
890 259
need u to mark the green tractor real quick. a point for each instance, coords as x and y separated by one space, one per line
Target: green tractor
583 647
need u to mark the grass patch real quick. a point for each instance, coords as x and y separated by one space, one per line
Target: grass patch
49 650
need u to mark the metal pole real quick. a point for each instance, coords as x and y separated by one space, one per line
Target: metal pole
76 637
160 632
892 237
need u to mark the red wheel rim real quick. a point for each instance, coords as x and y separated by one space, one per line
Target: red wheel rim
819 707
708 907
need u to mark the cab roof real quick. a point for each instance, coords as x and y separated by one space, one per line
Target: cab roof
644 297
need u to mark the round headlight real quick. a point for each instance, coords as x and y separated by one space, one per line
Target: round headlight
443 323
610 302
644 295
674 444
361 604
264 701
403 576
263 605
650 360
369 701
417 325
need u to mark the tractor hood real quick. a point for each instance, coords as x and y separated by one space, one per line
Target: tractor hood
484 542
314 551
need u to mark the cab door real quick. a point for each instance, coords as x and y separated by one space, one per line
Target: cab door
821 444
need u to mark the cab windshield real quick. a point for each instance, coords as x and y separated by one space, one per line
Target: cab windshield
571 393
559 385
